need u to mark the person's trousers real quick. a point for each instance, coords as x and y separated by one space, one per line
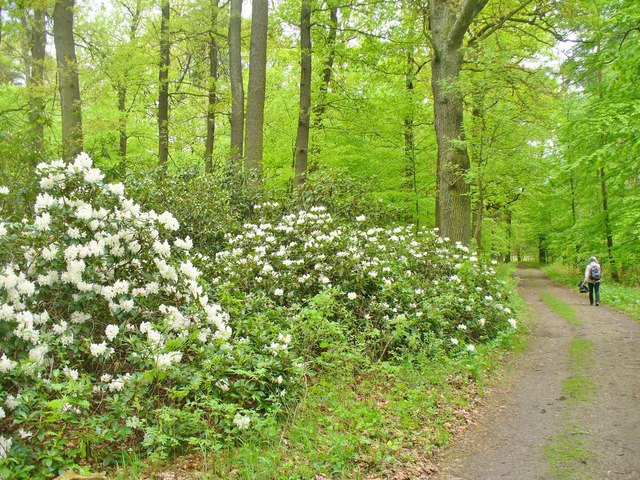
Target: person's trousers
594 288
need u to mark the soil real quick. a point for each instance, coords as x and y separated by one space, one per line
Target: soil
532 426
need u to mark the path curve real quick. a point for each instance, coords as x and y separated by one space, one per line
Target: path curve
530 427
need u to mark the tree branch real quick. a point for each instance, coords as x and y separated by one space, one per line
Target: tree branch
469 11
490 29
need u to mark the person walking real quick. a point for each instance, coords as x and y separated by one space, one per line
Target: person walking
592 277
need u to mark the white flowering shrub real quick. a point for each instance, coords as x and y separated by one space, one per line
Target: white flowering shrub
384 290
108 339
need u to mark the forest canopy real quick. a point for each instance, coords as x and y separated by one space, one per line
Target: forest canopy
517 132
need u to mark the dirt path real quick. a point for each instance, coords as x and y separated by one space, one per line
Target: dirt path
569 407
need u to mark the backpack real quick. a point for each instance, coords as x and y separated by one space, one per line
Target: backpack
595 273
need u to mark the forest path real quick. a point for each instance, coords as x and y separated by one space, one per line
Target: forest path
568 407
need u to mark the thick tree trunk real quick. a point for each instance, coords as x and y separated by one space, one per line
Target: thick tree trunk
163 87
449 22
302 140
256 96
327 72
213 96
235 77
69 85
38 42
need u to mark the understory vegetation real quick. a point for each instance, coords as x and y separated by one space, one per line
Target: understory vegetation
123 339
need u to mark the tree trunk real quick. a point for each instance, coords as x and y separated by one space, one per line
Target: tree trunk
410 169
38 42
321 105
478 214
69 85
607 225
235 78
449 23
213 96
163 90
255 99
122 129
508 220
302 140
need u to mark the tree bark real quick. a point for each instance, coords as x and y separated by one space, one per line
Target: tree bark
448 24
235 77
254 139
302 140
163 87
69 85
122 129
213 95
38 42
327 72
410 169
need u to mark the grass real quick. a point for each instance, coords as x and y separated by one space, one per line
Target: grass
390 417
568 454
563 309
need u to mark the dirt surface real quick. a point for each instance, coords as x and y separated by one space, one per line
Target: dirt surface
559 415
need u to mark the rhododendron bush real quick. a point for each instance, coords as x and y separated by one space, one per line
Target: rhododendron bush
108 338
112 340
398 288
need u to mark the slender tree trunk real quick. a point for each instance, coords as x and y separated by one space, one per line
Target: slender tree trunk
302 140
38 42
122 129
213 96
163 90
607 225
478 127
605 203
253 143
235 77
69 85
327 72
508 218
449 22
410 169
478 214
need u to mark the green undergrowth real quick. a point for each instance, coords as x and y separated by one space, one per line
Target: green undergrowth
620 296
350 426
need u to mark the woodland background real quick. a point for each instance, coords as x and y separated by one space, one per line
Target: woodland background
550 97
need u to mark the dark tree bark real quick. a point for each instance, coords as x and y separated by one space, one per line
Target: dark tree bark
38 42
448 22
163 90
213 95
257 84
235 77
327 72
69 85
302 140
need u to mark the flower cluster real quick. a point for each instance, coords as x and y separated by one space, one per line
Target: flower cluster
100 299
396 282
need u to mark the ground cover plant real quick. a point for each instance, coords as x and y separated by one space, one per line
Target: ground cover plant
112 341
